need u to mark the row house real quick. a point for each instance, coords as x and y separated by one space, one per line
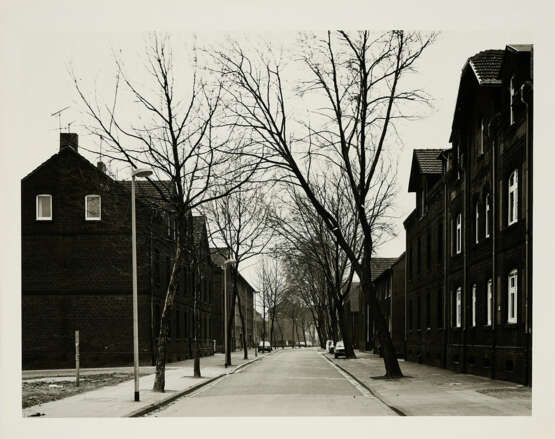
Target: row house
76 268
471 310
357 309
245 300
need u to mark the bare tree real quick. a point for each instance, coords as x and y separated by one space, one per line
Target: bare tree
356 79
176 136
239 221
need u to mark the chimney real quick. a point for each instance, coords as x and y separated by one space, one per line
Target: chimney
69 139
101 167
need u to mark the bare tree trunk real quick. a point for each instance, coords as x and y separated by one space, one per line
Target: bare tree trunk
196 326
243 326
231 317
392 369
345 329
160 378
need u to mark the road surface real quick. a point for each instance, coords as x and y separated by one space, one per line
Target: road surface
299 382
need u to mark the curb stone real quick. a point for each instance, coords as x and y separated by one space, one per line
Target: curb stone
158 404
372 392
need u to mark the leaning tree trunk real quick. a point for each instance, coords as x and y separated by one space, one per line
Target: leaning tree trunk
243 326
345 330
160 377
392 368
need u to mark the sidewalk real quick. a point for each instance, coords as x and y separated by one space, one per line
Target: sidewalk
118 400
431 391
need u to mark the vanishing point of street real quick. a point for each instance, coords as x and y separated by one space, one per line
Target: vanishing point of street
290 382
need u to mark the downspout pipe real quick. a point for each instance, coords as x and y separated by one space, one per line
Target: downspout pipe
525 97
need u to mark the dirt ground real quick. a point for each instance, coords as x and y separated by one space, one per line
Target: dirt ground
39 391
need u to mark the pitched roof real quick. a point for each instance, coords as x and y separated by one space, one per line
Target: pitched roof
380 265
486 66
147 191
424 161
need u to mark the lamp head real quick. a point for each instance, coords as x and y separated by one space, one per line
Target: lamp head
141 172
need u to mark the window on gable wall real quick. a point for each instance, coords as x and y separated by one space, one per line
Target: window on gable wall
513 198
474 305
477 222
512 99
490 302
482 135
458 309
512 297
44 207
459 233
92 208
487 216
423 201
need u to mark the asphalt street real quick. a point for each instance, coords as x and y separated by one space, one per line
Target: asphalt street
297 382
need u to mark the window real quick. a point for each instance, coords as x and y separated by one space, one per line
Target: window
419 255
482 135
169 226
458 308
423 201
490 302
410 316
44 207
439 309
410 262
512 98
477 222
429 250
513 197
488 209
177 324
157 267
92 207
428 312
439 243
459 233
474 305
418 312
512 299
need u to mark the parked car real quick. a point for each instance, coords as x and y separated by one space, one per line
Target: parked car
264 346
339 349
329 346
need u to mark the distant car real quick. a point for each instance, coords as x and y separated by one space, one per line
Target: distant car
329 346
264 346
339 349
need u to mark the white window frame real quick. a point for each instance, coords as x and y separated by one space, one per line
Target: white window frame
482 136
512 94
512 297
459 234
474 305
512 210
490 302
477 222
43 218
487 215
93 218
458 308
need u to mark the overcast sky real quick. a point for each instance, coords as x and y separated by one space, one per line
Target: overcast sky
39 38
41 62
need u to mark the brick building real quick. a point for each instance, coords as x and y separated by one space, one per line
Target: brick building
470 310
246 298
76 268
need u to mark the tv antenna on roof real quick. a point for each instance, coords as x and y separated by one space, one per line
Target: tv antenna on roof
59 114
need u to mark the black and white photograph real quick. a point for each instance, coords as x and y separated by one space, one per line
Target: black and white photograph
297 225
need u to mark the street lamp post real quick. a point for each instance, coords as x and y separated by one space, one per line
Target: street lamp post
228 261
136 173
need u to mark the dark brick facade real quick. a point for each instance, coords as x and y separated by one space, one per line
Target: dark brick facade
460 311
76 273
